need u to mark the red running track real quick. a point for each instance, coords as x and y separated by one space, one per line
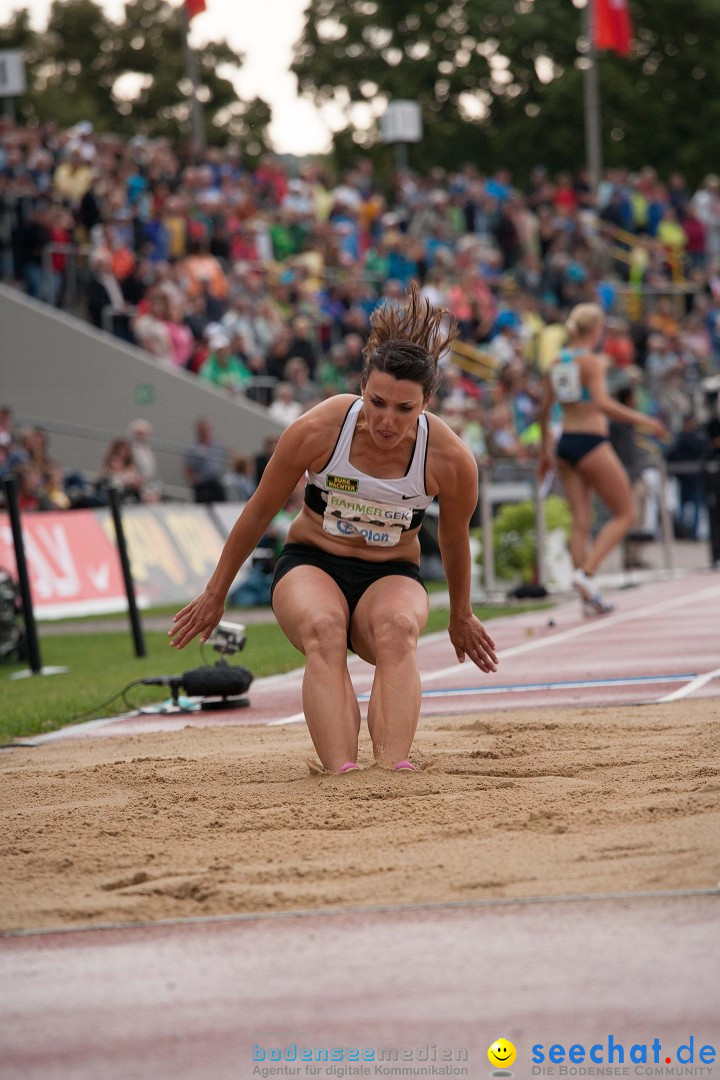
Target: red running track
662 640
190 1001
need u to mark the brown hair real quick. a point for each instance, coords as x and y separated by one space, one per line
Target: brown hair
406 342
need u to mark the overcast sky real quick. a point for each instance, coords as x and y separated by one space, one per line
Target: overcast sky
265 31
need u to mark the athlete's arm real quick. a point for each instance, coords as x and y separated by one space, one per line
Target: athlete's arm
594 377
456 477
304 443
547 455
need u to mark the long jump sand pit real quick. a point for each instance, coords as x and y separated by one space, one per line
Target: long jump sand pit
221 821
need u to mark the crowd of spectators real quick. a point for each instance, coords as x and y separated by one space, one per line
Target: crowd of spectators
262 281
128 467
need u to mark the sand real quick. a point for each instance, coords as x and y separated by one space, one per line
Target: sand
221 821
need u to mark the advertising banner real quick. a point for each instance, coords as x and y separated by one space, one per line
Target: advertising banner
173 550
72 562
74 565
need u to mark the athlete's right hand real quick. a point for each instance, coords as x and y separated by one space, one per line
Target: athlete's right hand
655 427
200 616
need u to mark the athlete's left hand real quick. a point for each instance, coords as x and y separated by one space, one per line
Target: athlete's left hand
470 638
546 462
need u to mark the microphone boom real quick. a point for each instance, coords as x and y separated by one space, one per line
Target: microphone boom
219 680
220 686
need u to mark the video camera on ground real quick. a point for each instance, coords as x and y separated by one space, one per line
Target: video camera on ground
228 638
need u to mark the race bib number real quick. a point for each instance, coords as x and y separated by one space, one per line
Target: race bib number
566 384
378 525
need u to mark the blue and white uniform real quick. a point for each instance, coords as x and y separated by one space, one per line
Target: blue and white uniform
568 388
566 380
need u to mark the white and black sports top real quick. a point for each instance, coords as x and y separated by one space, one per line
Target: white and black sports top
355 504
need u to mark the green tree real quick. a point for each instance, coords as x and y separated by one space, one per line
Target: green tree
130 77
17 32
151 45
500 83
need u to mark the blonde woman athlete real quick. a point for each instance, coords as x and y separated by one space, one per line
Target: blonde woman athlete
584 457
349 573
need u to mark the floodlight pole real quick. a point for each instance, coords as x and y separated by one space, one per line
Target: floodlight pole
197 117
593 138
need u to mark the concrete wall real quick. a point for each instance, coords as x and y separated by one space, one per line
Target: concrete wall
85 387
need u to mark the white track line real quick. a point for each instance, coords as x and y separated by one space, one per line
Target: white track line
532 688
589 628
566 635
691 687
296 718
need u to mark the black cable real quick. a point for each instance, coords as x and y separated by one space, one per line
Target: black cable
129 704
104 704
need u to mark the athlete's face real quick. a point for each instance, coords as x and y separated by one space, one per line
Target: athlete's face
391 407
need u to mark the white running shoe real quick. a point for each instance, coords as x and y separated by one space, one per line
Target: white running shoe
583 584
597 606
593 603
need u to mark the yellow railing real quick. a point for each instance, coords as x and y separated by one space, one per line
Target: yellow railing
622 236
473 360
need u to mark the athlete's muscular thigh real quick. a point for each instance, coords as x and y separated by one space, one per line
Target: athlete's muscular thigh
308 604
394 604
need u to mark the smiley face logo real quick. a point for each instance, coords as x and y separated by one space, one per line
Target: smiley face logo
502 1053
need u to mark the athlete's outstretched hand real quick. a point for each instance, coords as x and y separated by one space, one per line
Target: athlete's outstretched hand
546 463
200 616
470 638
655 427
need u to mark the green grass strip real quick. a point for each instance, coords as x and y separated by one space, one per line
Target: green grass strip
101 664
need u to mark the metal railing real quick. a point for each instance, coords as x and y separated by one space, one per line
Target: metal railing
75 256
110 312
634 301
496 489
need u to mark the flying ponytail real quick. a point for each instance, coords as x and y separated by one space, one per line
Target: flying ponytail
407 341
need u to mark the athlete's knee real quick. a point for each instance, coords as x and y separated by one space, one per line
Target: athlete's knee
625 516
394 633
580 531
324 631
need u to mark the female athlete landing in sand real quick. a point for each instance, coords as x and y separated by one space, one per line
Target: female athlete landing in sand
348 574
585 459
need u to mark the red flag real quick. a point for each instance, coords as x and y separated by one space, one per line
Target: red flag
612 26
194 7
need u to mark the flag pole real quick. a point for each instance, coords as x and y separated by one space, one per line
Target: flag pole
593 137
197 118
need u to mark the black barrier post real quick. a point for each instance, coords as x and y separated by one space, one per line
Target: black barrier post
33 646
711 483
135 624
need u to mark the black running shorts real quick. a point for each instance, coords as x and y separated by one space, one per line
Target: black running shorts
352 575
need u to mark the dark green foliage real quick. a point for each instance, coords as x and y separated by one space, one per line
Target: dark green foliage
658 105
74 65
515 536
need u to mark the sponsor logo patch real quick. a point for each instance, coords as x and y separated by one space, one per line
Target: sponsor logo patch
341 483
